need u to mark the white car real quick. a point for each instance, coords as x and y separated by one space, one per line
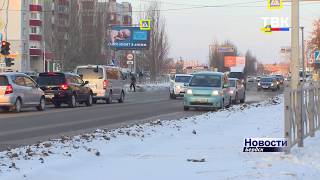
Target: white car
177 85
237 90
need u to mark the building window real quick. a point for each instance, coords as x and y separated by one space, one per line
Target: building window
34 45
34 1
34 30
34 15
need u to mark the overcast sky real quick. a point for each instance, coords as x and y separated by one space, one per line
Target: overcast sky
191 31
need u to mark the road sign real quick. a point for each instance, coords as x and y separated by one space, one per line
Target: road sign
317 56
225 49
129 62
130 56
275 4
145 25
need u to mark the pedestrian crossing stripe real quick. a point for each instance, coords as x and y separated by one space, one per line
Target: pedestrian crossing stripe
275 4
145 25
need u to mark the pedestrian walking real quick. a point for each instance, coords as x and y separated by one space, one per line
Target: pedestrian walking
133 82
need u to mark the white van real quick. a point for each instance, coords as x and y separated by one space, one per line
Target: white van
106 82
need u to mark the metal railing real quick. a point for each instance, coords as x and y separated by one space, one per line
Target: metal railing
301 114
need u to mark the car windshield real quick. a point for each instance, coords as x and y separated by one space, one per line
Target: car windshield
238 75
50 79
232 83
206 81
266 79
183 79
3 81
90 73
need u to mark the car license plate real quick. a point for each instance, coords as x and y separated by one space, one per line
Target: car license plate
202 100
49 96
264 87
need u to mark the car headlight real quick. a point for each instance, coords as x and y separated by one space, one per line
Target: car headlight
189 91
259 84
231 91
215 93
272 84
277 82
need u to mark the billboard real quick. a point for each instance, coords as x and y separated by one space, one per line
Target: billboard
232 61
128 38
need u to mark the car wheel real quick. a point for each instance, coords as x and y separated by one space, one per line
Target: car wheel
89 101
57 104
186 108
72 102
173 96
109 99
6 109
42 104
17 106
222 104
235 101
229 104
121 100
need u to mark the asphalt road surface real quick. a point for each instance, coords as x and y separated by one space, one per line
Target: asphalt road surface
31 126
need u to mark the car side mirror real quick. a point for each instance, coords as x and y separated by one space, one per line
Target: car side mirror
81 76
186 84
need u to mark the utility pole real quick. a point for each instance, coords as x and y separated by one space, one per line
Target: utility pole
303 53
295 44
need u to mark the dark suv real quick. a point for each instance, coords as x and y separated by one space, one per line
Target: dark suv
65 88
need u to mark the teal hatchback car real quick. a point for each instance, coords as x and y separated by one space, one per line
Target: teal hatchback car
207 90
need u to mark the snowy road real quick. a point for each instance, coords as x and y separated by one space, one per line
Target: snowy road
31 126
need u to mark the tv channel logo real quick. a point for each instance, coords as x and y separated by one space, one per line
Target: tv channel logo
265 145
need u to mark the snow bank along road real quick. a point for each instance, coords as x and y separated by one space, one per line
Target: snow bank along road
31 126
203 147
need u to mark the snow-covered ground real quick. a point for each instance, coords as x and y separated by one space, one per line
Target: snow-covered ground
208 146
149 87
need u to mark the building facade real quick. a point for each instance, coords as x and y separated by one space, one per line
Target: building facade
46 35
21 24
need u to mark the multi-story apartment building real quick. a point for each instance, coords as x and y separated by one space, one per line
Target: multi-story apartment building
22 26
56 27
39 30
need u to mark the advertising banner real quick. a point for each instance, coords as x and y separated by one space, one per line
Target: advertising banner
128 38
231 61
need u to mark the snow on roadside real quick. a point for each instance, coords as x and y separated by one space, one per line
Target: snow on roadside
208 146
148 87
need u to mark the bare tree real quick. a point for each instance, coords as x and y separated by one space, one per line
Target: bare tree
157 54
72 58
216 58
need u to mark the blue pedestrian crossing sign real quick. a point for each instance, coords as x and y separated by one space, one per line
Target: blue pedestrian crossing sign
317 56
275 4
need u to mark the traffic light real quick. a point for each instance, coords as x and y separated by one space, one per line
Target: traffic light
5 48
8 62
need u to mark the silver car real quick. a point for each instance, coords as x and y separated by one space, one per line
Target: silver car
237 90
18 90
106 82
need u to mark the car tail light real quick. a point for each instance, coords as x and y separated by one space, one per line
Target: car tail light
64 86
9 89
105 84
